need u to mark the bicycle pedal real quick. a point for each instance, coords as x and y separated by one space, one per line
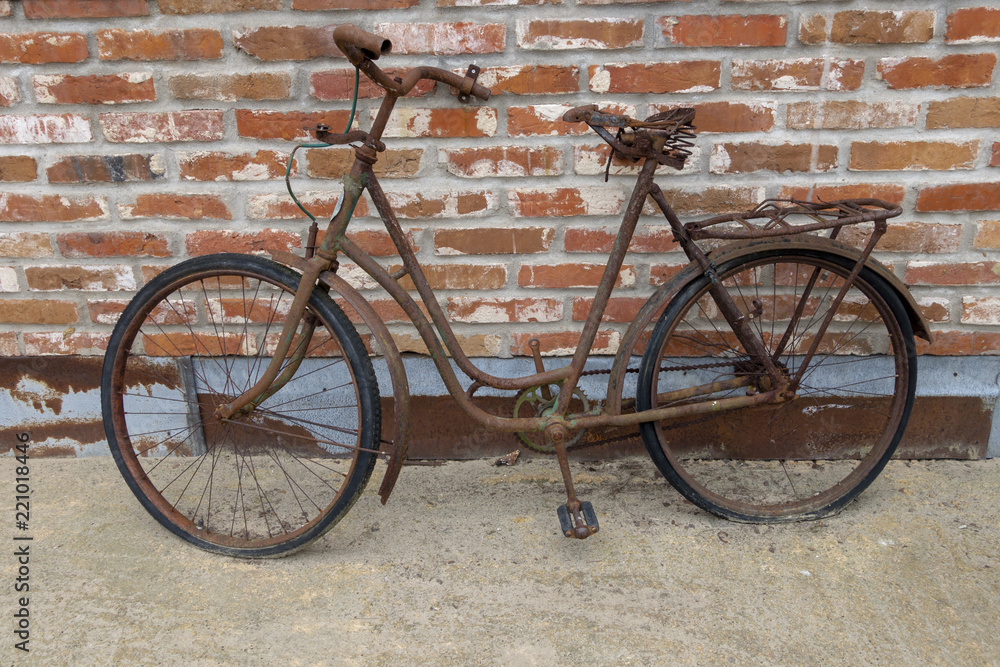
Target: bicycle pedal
588 521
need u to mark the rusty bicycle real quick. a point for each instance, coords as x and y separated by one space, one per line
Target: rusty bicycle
775 372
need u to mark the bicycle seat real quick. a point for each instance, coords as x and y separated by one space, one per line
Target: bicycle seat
663 136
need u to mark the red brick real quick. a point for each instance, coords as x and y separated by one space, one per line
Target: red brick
728 116
25 244
387 310
460 276
493 240
732 158
113 244
378 243
45 129
34 48
51 208
647 239
995 158
37 311
869 27
18 168
724 30
232 87
105 168
468 122
9 346
5 8
973 24
912 237
546 119
850 115
10 94
712 199
176 207
611 33
145 45
934 309
502 161
477 345
660 274
207 242
335 162
270 43
686 76
953 273
619 309
495 311
262 165
958 70
960 197
987 235
565 276
960 343
564 343
94 89
981 310
530 79
963 112
161 127
368 5
338 84
452 204
559 202
289 126
216 6
59 342
281 206
107 311
90 278
886 192
797 75
444 39
74 9
912 155
487 3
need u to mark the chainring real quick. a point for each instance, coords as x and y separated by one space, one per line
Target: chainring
540 407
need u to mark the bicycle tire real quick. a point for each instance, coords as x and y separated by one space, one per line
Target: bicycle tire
805 458
264 483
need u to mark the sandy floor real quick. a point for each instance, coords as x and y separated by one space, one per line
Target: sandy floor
465 566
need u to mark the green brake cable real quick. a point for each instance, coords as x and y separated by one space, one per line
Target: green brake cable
288 169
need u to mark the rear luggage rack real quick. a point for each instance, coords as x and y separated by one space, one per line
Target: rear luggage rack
771 218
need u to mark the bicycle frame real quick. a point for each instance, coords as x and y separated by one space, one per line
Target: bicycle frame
363 178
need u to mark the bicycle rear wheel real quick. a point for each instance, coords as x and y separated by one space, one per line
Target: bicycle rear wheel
260 484
800 459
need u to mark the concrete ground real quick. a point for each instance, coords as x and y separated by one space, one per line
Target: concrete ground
465 566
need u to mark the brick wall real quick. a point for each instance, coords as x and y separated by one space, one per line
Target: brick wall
135 134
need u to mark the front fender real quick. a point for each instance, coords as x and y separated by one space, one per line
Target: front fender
397 373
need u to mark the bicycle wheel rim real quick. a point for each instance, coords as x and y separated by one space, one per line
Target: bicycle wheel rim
799 466
227 321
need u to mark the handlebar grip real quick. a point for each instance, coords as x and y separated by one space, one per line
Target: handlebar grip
355 42
482 92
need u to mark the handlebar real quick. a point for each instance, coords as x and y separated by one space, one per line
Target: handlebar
362 48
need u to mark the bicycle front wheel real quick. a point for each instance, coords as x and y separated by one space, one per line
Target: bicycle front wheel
803 458
262 483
